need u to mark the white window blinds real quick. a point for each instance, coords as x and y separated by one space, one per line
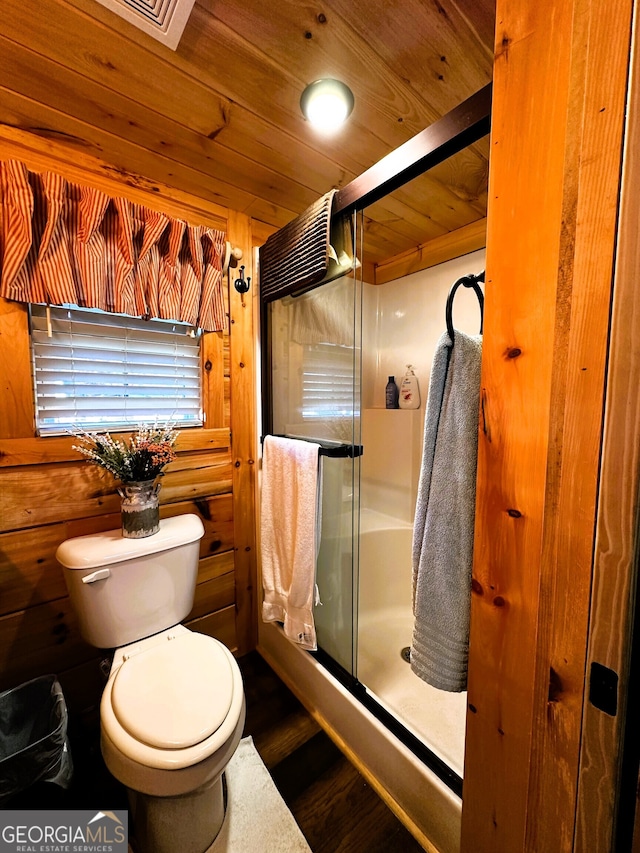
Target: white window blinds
327 381
104 371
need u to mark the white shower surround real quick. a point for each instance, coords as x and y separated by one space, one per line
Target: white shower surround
385 623
404 319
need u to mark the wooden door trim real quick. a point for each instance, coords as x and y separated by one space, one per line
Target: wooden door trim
600 825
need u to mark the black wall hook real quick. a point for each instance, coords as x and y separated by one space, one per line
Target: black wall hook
242 284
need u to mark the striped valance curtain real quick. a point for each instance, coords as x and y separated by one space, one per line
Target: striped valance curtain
69 244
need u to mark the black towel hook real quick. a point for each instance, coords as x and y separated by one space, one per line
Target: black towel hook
466 281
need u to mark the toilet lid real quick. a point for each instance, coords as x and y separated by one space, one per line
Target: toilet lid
174 694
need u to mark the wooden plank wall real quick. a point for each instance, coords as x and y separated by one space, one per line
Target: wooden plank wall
48 493
557 133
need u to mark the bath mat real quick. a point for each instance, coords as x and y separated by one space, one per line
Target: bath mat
257 819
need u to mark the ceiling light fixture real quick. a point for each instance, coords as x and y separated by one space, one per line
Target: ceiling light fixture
327 104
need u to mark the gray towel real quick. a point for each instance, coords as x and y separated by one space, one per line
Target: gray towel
445 509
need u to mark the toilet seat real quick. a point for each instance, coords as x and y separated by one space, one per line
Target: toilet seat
201 689
160 730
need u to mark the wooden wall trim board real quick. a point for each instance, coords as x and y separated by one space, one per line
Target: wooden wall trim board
512 452
212 352
35 451
45 154
243 432
17 411
550 244
595 123
617 545
445 248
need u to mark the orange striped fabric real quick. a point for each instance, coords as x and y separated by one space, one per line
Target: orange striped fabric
63 243
18 260
54 259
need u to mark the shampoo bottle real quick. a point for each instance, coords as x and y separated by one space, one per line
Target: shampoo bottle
409 391
391 394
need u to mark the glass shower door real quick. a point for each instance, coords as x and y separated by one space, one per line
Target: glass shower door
315 375
402 321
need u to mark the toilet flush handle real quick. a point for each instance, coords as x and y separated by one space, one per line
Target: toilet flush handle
101 574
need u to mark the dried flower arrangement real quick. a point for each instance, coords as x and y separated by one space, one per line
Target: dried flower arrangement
142 458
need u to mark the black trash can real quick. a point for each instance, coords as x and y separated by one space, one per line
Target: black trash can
33 737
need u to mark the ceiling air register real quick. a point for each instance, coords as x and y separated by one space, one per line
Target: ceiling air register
165 20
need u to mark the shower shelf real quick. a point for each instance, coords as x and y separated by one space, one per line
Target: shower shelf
331 449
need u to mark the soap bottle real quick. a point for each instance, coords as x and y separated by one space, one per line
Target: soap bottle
409 391
391 394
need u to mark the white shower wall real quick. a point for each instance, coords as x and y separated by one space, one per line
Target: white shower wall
402 323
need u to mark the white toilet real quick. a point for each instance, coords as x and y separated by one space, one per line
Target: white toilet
173 709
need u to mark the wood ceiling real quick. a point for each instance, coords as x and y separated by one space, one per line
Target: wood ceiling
219 117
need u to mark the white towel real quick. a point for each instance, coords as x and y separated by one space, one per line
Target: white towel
289 532
445 514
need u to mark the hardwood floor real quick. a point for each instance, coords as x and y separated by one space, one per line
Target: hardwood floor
337 811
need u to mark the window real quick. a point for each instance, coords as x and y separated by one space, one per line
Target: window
327 381
104 371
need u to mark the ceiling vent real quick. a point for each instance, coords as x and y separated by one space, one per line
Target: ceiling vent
165 20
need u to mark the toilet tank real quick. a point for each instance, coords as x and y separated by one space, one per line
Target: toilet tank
123 590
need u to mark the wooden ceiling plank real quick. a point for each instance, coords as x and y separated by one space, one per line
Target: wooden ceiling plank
448 212
480 16
378 242
462 199
396 236
453 132
78 42
194 48
204 108
292 36
413 232
185 90
278 35
430 45
407 216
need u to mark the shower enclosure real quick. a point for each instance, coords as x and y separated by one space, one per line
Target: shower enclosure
328 350
332 350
